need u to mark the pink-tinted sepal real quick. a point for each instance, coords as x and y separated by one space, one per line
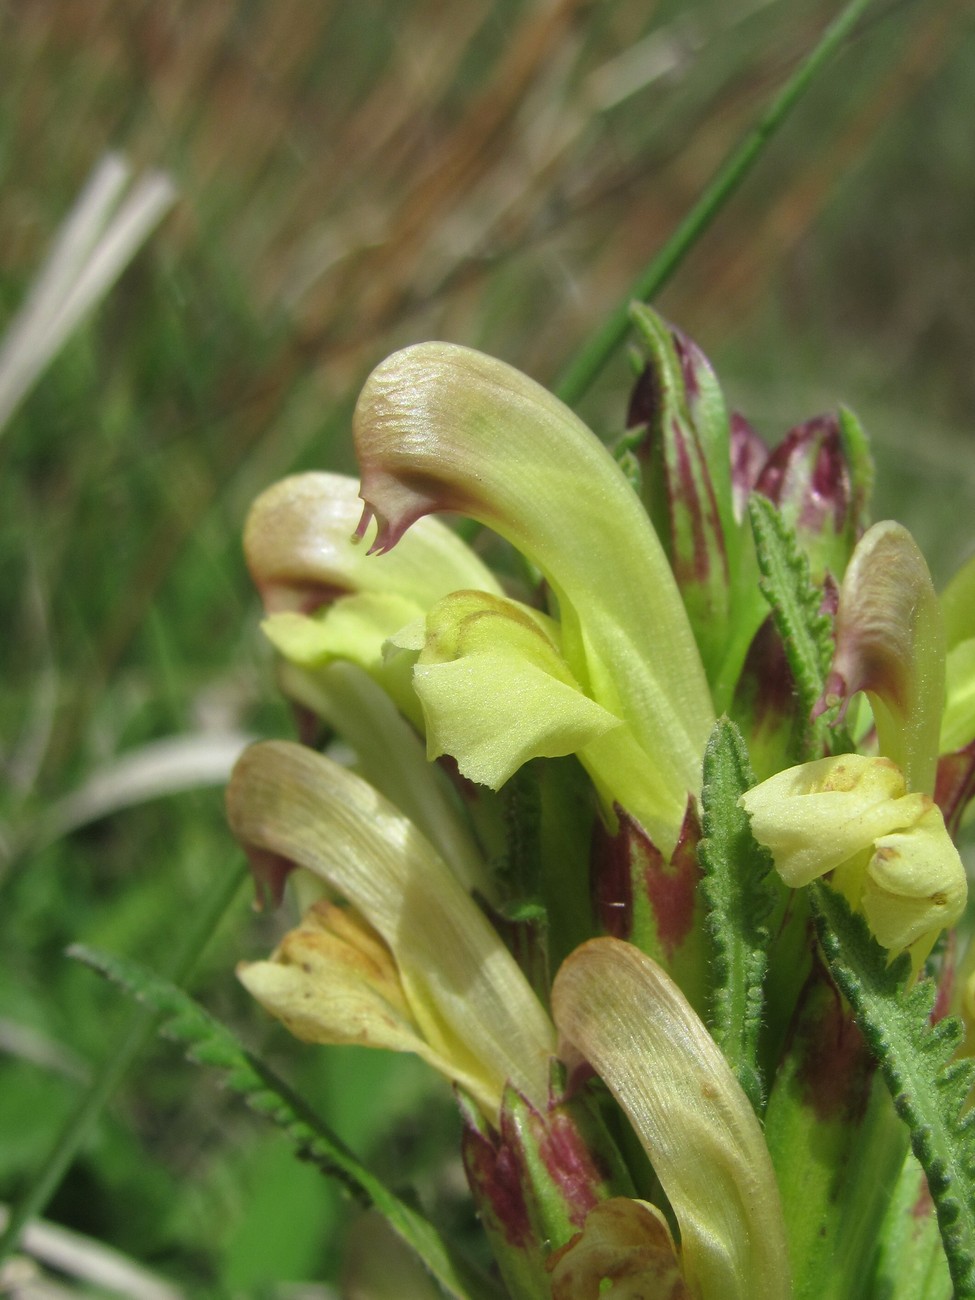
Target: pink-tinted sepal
954 786
535 1180
807 477
686 476
651 901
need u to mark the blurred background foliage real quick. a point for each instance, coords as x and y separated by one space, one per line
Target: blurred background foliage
352 177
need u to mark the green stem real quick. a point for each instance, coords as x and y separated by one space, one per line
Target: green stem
138 1029
583 369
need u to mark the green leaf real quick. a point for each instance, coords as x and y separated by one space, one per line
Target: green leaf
210 1043
859 457
740 900
911 1262
930 1090
806 633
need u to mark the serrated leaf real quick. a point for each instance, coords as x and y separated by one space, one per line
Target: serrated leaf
806 633
740 900
929 1089
210 1043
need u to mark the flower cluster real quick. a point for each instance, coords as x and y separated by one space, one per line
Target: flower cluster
538 787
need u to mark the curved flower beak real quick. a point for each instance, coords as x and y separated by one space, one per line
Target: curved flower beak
331 611
621 1012
325 600
890 643
438 972
299 549
440 427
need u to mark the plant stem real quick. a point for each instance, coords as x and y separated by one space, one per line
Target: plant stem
582 370
138 1029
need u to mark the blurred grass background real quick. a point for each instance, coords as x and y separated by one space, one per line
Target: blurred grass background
353 177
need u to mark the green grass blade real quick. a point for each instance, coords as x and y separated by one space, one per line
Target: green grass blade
210 1043
929 1089
580 373
137 1032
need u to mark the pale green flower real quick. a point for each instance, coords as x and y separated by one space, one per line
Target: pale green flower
440 427
416 966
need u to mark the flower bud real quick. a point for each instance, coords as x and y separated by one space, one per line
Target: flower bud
686 479
888 850
808 479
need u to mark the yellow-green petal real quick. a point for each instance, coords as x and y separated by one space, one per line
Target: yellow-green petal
816 816
915 886
889 851
440 427
624 1015
353 628
496 691
958 722
958 605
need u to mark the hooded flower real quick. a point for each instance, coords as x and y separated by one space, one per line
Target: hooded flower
439 427
871 823
414 966
887 850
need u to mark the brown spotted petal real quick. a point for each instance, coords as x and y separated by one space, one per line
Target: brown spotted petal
626 1243
466 995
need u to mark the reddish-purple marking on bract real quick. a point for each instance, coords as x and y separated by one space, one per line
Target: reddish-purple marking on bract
568 1161
494 1174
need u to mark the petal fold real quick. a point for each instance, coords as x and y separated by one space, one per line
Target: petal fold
299 549
496 691
889 850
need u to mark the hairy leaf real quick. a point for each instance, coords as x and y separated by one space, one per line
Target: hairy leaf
929 1089
740 900
210 1043
805 631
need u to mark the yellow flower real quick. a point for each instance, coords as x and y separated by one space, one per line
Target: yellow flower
888 850
415 966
